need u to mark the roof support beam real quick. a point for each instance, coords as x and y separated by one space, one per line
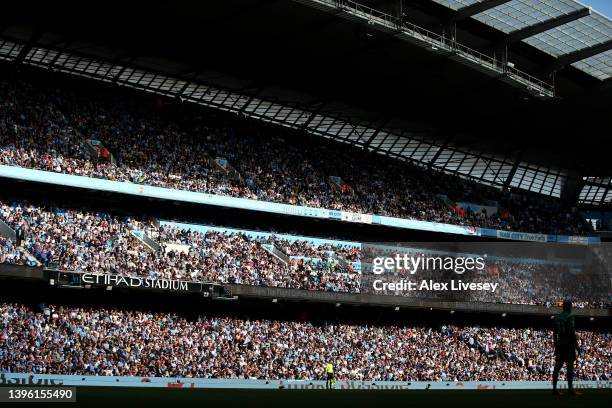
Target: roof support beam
579 55
476 8
382 125
314 113
571 188
251 98
116 61
515 167
66 45
28 46
442 148
530 31
603 197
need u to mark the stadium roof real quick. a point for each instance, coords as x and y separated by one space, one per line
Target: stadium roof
564 29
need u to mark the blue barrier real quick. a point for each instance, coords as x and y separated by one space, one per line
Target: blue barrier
276 208
532 237
232 202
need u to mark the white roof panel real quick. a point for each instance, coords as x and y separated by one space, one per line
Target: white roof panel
599 66
573 36
579 34
457 4
518 14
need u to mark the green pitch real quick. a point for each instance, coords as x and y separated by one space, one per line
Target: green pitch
174 398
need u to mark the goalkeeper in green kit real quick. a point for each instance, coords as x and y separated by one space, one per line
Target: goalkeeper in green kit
566 347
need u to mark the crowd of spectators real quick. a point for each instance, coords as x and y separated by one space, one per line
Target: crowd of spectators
307 249
86 241
49 128
539 283
77 240
528 283
235 258
98 341
527 353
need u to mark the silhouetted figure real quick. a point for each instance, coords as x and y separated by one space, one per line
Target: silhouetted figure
566 347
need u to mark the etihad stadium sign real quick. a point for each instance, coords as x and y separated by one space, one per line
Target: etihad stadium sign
134 282
109 281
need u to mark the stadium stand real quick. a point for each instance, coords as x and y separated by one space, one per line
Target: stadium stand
124 138
87 241
101 341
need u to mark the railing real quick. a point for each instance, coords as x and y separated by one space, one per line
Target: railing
7 232
528 80
374 16
147 240
362 10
